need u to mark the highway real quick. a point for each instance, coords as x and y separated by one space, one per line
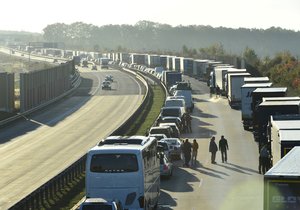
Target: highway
38 147
234 185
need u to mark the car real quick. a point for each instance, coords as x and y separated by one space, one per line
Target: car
166 167
109 78
174 147
175 120
175 129
106 85
94 67
172 112
101 204
163 148
161 130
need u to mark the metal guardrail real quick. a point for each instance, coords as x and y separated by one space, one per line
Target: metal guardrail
47 191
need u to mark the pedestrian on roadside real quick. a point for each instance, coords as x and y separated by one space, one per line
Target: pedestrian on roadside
187 147
189 122
218 91
264 159
213 148
223 147
195 147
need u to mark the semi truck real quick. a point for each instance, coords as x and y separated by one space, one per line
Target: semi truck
262 114
284 134
246 97
248 80
235 82
170 78
282 183
104 63
219 74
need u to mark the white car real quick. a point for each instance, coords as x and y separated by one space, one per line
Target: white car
174 145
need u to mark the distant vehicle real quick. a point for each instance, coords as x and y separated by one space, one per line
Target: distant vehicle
94 67
77 60
101 204
171 102
166 167
172 112
104 63
85 63
170 119
175 129
127 172
189 101
106 85
109 78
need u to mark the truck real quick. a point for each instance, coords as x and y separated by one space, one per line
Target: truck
261 116
246 98
170 78
231 71
189 101
282 183
284 134
235 82
219 74
104 63
77 60
248 80
85 63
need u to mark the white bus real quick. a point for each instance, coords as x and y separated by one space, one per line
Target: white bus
124 168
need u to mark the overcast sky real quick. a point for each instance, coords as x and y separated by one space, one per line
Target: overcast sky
34 15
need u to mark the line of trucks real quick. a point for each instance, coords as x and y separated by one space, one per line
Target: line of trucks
274 119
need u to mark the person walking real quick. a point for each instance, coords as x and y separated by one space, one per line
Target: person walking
213 148
264 160
187 147
223 147
195 147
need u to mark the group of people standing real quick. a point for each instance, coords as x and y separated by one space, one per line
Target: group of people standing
223 147
190 150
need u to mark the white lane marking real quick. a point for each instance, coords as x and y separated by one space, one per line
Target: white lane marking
201 182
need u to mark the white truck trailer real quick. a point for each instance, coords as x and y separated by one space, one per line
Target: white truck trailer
246 104
235 82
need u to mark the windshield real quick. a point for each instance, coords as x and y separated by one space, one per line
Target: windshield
114 163
170 103
170 112
97 207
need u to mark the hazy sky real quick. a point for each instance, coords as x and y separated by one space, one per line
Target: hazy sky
34 15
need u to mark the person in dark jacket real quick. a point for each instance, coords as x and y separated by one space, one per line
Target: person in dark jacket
213 148
187 148
223 147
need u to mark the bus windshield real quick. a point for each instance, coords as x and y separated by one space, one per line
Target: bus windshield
114 163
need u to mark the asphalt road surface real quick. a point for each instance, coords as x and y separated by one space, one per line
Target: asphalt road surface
38 147
235 185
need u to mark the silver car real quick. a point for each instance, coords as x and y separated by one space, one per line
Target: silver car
166 167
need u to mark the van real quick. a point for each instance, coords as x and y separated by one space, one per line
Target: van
172 112
189 102
175 102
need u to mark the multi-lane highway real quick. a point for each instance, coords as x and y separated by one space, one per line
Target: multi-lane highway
38 147
223 186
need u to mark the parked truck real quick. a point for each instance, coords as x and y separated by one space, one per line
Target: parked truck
246 97
104 63
219 74
261 116
282 183
235 82
248 80
284 134
170 78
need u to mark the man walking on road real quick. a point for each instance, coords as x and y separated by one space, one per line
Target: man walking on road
187 146
195 147
223 147
213 148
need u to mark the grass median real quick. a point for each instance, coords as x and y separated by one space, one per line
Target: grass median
69 197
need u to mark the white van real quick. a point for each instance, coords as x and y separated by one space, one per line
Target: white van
189 102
